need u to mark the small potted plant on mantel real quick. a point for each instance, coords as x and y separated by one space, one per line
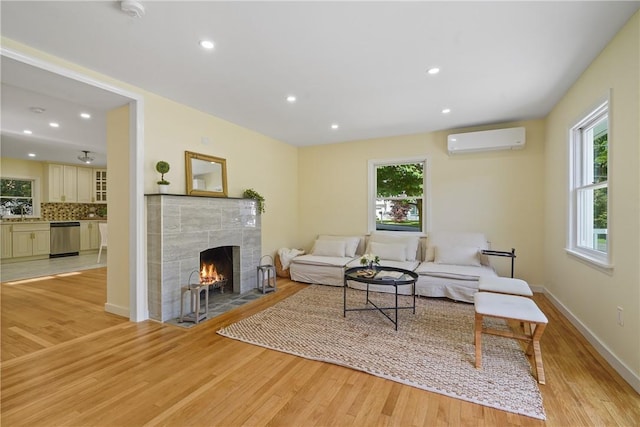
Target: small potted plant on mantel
163 185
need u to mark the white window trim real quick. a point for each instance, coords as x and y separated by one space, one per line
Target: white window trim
426 193
35 196
599 260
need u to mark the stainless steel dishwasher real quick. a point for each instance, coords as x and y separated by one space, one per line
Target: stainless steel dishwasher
65 239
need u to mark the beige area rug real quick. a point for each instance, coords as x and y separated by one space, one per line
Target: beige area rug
432 350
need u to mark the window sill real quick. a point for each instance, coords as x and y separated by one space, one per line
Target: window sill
591 261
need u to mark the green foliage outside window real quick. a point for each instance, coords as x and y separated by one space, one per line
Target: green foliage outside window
16 196
601 158
401 185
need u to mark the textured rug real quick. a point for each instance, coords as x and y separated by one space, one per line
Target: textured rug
432 350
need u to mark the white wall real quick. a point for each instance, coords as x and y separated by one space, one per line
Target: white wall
499 193
589 295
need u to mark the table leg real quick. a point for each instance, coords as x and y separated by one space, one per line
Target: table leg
396 286
413 290
344 299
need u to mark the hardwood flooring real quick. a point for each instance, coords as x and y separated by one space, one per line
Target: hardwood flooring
65 362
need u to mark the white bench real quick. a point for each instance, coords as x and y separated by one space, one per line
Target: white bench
504 285
516 308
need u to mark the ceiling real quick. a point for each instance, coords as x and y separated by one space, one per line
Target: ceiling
360 65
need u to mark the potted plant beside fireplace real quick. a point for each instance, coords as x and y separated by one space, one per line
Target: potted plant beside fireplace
250 193
163 185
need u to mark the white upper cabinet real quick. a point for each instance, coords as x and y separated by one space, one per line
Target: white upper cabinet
60 183
85 185
74 184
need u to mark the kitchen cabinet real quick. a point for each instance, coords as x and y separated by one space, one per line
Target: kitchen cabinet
5 248
89 235
61 183
30 239
100 186
85 185
74 184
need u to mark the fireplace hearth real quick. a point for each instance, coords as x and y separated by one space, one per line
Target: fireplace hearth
182 231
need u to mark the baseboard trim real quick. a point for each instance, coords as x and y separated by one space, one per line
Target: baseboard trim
116 309
619 366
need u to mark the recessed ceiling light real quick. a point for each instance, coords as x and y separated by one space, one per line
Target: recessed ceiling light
31 154
433 70
334 126
37 110
446 110
85 115
27 132
54 125
291 99
206 44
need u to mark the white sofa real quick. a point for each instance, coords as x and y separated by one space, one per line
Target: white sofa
452 265
448 264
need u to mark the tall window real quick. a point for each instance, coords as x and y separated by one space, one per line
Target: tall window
18 197
397 195
589 230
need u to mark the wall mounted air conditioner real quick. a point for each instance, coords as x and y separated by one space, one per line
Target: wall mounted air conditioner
499 139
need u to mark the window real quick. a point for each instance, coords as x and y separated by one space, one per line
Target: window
397 195
589 188
18 197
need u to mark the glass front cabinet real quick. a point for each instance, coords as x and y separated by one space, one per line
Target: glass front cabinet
100 185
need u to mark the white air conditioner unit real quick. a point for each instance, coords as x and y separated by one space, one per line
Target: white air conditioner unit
499 139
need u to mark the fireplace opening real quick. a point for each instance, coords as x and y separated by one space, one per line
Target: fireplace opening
216 268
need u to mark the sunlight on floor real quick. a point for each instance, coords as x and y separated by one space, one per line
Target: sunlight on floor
14 272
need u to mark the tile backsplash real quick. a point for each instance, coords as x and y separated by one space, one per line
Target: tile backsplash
68 211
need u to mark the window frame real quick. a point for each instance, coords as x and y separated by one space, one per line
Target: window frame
426 193
35 195
577 157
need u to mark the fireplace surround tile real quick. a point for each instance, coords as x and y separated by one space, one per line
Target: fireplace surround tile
180 227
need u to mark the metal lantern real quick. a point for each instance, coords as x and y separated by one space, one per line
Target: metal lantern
266 275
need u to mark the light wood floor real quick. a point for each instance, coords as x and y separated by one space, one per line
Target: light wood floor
65 362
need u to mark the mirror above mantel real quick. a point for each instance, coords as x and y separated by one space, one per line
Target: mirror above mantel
206 175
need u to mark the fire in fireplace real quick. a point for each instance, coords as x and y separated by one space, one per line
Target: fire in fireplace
216 268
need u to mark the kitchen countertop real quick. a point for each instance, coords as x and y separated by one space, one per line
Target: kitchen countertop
42 221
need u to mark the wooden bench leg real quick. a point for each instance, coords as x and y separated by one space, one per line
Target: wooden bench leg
478 340
537 352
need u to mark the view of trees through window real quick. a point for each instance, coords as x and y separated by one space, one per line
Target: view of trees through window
399 194
590 166
16 197
600 194
600 156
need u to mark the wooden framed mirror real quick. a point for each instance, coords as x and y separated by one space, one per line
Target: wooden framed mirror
206 175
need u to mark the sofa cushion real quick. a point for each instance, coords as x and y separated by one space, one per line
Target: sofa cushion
351 242
389 251
457 255
330 248
451 238
411 243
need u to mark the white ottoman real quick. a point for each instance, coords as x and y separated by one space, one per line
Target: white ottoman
511 307
504 285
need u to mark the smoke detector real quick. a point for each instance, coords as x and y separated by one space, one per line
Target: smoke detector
133 8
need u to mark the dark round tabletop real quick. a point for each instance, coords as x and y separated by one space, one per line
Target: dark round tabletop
380 278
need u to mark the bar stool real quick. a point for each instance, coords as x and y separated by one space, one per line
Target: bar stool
266 275
193 291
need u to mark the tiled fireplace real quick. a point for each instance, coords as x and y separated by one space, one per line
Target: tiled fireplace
179 228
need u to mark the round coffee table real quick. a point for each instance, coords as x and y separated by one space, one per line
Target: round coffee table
384 276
